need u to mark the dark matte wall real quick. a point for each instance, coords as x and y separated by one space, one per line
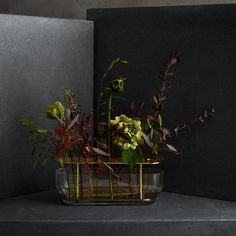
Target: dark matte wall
77 8
206 76
38 56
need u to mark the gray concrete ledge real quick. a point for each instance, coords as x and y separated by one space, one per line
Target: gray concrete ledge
44 214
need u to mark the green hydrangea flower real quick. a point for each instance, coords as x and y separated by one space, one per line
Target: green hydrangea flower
127 132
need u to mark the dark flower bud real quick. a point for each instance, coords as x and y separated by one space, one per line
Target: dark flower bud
173 60
117 85
175 57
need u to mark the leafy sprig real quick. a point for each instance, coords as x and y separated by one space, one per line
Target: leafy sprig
71 137
155 135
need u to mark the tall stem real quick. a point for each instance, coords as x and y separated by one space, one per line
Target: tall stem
109 140
109 123
75 172
141 180
77 184
131 182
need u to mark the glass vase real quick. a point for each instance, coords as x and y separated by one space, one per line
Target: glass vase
109 183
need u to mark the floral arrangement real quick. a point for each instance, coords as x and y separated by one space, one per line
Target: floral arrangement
71 138
137 138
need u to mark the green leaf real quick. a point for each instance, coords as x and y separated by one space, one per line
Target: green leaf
32 134
125 62
68 113
155 99
73 122
116 60
101 152
160 120
61 161
103 103
131 156
49 116
108 167
103 114
171 148
45 161
154 149
24 121
148 123
41 131
147 140
151 134
41 141
34 131
165 133
35 163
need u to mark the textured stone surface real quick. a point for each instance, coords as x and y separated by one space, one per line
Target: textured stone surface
172 214
77 8
38 56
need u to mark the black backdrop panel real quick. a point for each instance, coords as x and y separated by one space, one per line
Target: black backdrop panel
206 76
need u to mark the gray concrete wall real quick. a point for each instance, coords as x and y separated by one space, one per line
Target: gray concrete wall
77 8
38 56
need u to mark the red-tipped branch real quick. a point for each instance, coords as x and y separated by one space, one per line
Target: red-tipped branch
187 126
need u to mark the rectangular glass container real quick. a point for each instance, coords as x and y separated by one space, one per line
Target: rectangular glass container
113 182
